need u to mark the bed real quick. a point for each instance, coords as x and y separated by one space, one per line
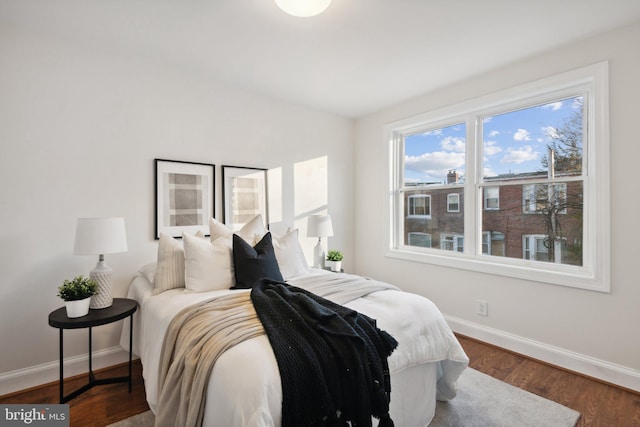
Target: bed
244 386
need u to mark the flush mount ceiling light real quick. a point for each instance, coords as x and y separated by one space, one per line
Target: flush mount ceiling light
303 8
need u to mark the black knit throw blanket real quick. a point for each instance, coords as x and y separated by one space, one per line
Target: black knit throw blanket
332 360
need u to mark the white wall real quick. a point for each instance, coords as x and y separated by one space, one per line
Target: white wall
80 125
585 330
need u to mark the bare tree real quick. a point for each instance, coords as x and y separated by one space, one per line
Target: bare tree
564 158
566 143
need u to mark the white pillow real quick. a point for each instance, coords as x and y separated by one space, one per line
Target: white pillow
170 271
252 232
289 254
149 271
208 265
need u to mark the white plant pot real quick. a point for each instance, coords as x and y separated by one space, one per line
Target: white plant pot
78 308
335 265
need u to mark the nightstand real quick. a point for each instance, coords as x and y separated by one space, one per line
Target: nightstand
121 308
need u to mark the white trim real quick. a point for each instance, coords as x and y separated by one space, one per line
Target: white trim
586 365
25 378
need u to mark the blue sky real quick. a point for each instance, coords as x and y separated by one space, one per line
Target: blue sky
513 142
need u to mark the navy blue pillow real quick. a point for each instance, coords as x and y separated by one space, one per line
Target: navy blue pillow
253 263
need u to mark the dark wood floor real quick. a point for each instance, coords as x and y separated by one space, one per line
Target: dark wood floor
601 405
99 406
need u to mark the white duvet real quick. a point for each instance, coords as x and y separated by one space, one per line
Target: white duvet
244 388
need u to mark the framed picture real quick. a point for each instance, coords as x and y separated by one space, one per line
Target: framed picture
184 197
244 195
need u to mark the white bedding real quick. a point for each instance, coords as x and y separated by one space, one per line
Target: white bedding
244 388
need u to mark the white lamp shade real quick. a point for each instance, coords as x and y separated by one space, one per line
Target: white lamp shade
303 8
97 236
319 226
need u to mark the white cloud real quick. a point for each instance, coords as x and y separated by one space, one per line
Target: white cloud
493 134
452 143
522 135
520 155
435 164
553 106
491 148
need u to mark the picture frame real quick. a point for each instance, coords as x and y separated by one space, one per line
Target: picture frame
244 195
184 197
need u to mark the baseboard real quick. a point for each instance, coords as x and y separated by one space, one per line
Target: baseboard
586 365
33 376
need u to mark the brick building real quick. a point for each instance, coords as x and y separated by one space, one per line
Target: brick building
533 221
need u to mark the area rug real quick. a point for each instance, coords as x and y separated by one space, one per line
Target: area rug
482 401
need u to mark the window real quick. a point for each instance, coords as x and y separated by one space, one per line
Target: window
540 198
530 167
419 205
419 239
491 198
453 202
493 243
452 242
544 248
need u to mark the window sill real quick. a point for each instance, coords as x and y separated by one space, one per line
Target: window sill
554 274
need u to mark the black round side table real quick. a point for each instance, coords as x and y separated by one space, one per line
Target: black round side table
121 308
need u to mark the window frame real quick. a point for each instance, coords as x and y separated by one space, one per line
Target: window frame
426 197
457 203
455 239
593 83
526 190
526 238
486 199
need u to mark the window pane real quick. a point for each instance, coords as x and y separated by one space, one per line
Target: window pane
419 239
453 203
542 140
539 198
553 213
491 197
435 156
418 205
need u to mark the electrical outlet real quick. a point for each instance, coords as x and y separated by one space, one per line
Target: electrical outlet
482 308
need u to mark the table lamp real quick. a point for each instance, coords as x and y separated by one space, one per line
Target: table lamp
99 236
319 226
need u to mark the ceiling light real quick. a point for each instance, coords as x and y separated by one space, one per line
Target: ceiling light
303 8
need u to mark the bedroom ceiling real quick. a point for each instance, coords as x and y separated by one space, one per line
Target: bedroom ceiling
358 57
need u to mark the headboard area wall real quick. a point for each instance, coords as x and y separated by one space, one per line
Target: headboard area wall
82 122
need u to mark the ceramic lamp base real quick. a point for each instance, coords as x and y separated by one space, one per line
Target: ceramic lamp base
102 275
318 255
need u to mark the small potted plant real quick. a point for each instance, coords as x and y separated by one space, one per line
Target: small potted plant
334 260
77 295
